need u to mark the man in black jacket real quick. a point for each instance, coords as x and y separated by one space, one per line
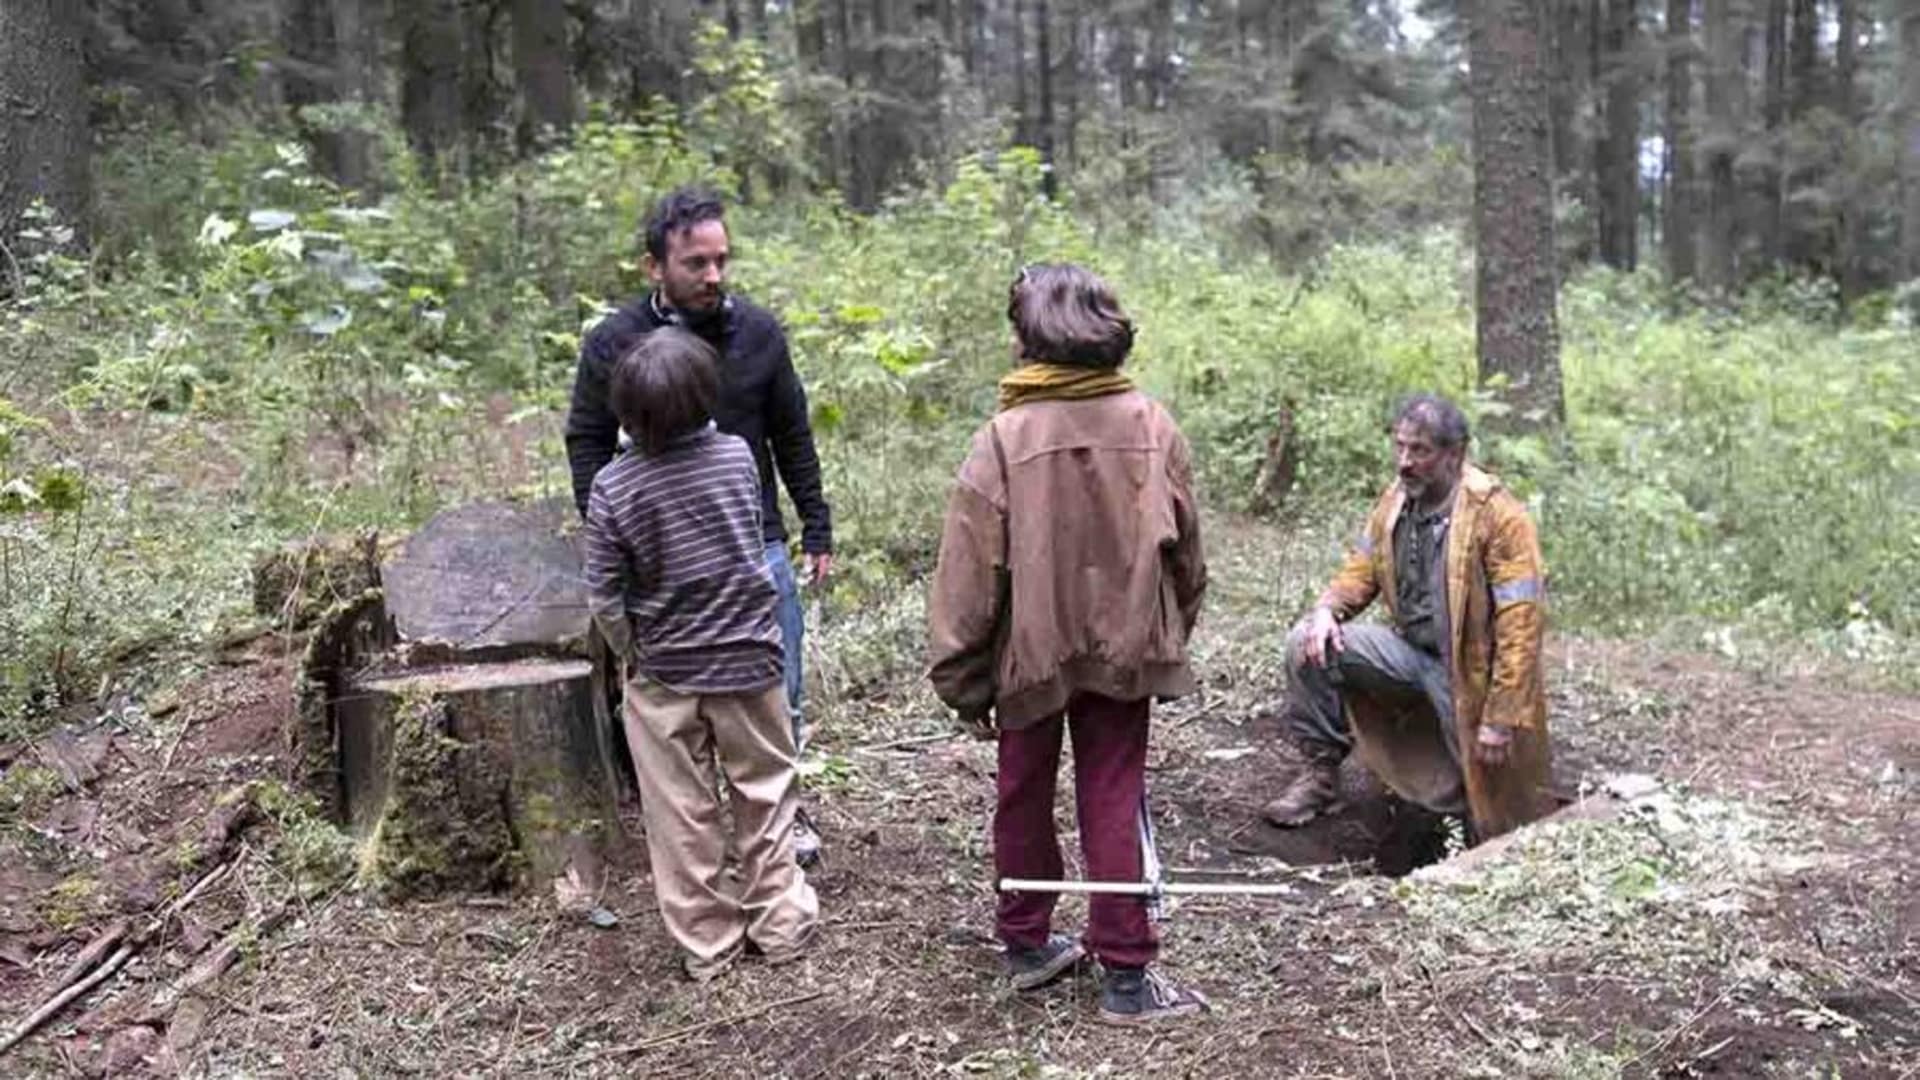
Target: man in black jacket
761 401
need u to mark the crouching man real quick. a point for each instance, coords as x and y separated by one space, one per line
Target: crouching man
1447 704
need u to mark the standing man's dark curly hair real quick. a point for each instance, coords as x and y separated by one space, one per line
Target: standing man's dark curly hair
677 211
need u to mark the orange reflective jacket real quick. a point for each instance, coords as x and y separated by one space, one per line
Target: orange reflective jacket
1496 621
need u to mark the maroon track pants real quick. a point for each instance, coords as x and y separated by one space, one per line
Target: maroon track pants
1110 790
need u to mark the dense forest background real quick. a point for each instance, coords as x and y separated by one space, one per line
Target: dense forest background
282 269
1724 141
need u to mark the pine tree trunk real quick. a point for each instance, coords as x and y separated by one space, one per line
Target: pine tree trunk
1043 19
1718 246
1022 117
1853 213
1619 154
1774 113
356 35
44 145
1678 226
541 65
431 38
1909 138
1572 90
1513 211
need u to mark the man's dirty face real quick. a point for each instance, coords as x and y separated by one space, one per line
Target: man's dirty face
1427 471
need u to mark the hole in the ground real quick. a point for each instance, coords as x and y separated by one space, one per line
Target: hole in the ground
1369 829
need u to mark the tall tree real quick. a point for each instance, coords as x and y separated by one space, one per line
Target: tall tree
432 39
1722 145
357 35
541 67
43 117
1515 292
1570 90
1909 138
1774 88
1618 159
1678 227
1043 21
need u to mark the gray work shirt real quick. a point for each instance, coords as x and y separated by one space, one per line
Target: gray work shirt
1419 558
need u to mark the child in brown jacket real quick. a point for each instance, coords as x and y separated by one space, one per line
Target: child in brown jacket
1070 576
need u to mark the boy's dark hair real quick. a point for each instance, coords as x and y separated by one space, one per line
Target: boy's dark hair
665 387
679 210
1441 419
1067 314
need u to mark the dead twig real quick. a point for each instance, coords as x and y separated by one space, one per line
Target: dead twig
126 951
690 1030
97 950
913 740
1668 1039
63 998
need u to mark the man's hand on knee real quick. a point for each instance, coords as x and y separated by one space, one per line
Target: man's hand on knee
1324 638
1494 745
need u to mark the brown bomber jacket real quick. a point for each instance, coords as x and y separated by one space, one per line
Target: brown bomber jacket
1094 517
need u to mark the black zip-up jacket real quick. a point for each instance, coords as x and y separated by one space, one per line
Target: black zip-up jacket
761 400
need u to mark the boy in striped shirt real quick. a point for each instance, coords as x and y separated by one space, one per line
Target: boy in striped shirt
679 583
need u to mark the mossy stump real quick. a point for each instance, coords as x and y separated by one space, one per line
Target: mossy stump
474 776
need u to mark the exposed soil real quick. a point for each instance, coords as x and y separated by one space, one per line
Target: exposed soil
905 979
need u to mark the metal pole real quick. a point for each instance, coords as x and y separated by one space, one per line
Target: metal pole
1148 888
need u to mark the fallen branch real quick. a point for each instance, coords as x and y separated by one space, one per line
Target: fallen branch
914 740
691 1029
64 997
97 950
68 989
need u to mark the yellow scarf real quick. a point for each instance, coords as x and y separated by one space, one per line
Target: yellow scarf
1039 380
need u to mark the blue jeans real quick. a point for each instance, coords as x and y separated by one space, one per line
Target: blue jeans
793 631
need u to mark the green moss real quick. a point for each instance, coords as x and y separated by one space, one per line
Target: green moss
71 903
25 790
444 825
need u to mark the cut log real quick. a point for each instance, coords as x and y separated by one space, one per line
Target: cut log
297 584
473 776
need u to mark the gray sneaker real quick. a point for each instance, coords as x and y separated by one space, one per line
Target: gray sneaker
806 840
1031 969
1143 996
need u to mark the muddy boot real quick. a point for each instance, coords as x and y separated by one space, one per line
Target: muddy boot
1312 792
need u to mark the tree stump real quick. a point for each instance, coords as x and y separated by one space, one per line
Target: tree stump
473 776
449 717
1277 469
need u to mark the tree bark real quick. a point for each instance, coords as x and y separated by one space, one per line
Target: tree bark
44 141
1619 154
1518 338
1043 18
1022 116
542 68
1678 227
1573 144
1909 138
1774 114
1723 140
431 110
356 35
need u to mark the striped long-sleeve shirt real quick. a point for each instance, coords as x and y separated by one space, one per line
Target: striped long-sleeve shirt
676 568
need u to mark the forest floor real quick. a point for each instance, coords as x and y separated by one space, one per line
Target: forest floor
1759 915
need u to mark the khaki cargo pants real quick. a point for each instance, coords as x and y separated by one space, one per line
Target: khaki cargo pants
677 740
